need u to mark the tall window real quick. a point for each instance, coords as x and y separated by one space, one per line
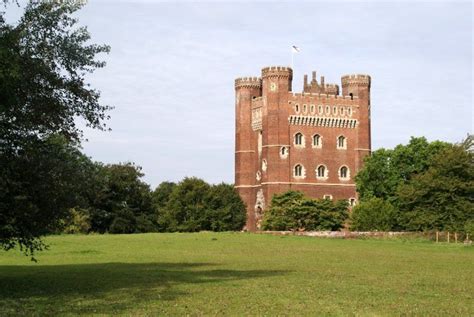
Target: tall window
341 142
344 172
321 171
316 140
298 170
298 139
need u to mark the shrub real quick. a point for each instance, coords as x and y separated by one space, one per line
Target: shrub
78 221
374 214
293 211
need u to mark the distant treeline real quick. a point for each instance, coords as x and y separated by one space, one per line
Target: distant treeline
120 202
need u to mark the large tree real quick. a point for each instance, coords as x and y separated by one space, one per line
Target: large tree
44 60
441 198
387 169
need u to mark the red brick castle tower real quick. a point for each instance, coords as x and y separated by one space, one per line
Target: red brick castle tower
313 141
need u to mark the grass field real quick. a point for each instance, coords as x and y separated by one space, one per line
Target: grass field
237 274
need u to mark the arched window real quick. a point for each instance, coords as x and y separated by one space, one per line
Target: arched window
352 95
312 107
320 109
328 110
297 108
321 171
317 140
349 111
341 110
334 110
283 152
299 139
305 108
298 170
341 142
352 202
344 172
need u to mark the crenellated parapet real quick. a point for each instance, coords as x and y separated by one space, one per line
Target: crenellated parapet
331 89
319 87
248 82
355 79
277 71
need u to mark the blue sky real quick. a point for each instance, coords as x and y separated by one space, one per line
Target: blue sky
171 70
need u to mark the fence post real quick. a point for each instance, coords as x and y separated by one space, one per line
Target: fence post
437 234
448 236
455 237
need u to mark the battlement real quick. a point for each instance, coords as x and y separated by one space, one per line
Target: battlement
248 82
321 96
277 71
355 79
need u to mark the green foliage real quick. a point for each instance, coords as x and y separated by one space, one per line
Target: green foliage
194 205
186 207
225 210
44 60
78 221
469 228
121 197
385 170
442 198
38 186
374 214
293 211
430 184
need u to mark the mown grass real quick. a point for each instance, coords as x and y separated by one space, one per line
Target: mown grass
237 274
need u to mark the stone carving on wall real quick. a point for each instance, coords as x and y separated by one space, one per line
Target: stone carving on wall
259 206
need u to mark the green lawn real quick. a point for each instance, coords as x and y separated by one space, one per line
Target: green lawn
237 274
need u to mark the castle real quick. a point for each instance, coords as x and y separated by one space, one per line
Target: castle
314 141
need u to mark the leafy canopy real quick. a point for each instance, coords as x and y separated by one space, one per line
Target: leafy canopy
44 60
292 210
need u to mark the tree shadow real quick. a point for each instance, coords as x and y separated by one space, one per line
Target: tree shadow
109 288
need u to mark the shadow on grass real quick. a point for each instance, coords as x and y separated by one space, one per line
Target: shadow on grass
104 288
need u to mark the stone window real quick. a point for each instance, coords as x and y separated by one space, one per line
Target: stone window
299 139
305 109
334 110
320 109
328 110
297 108
317 142
313 109
341 110
298 170
344 173
352 201
341 142
283 152
349 111
321 172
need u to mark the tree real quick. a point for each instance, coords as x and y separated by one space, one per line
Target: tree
38 186
44 59
385 170
293 211
442 198
123 203
374 214
159 199
186 206
225 209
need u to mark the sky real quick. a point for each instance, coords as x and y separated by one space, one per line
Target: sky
170 73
